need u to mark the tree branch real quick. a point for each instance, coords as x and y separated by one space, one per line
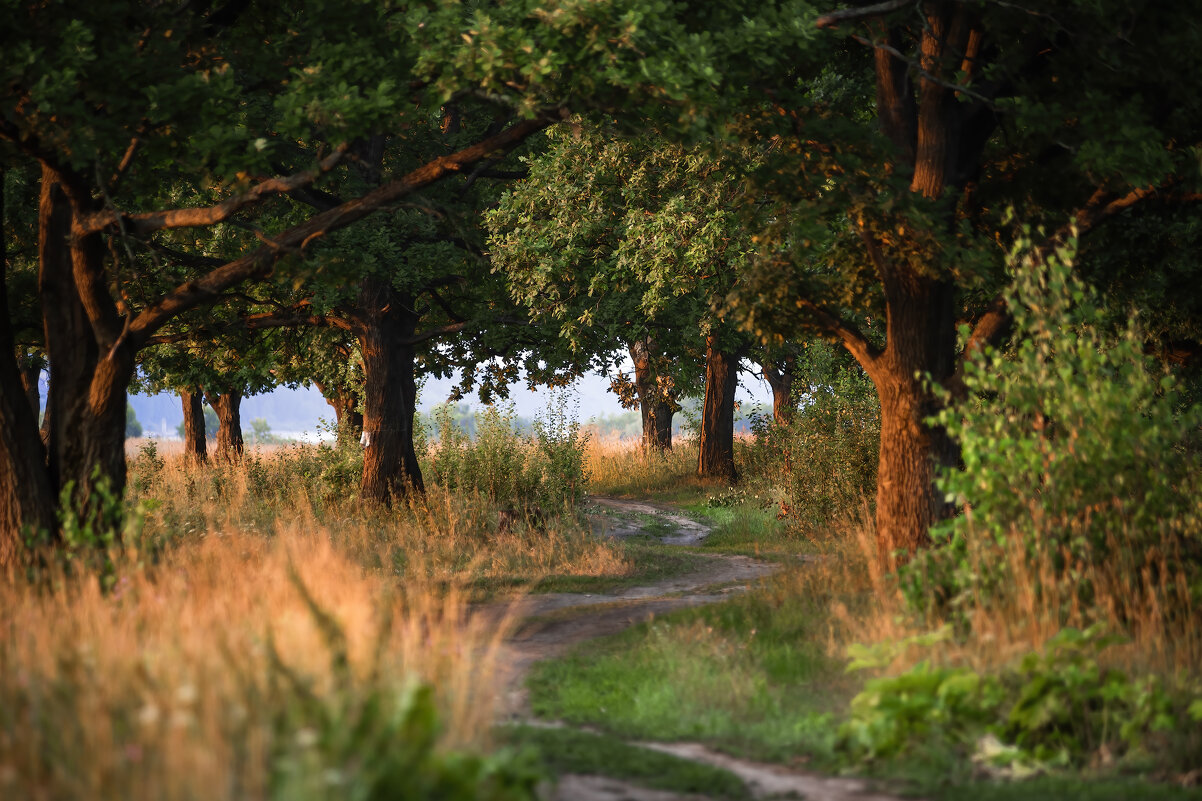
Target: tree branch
146 222
260 262
834 18
991 330
856 343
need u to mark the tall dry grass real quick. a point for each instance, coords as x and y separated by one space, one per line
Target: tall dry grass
267 636
1143 597
623 467
232 660
441 536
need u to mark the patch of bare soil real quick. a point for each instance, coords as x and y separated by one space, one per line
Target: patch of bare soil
551 623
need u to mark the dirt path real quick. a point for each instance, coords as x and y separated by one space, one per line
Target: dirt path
550 624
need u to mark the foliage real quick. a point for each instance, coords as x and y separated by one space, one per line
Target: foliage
541 472
1076 452
260 433
822 465
1055 709
132 427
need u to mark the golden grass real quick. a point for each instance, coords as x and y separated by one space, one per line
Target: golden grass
443 536
207 665
623 467
1146 601
173 684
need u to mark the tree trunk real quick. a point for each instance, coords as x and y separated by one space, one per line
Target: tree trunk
228 406
921 342
656 410
386 323
195 447
26 498
780 379
717 460
31 372
346 413
86 404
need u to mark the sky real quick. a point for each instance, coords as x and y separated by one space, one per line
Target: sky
299 411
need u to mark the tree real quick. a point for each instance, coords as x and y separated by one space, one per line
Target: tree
216 103
660 244
976 107
132 427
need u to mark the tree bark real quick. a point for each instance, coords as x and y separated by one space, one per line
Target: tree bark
195 447
87 399
656 410
780 379
717 459
346 413
386 323
26 498
228 406
921 342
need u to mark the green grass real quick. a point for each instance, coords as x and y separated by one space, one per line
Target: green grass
744 675
1063 789
561 750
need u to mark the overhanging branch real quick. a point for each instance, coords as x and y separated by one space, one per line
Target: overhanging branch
835 18
260 261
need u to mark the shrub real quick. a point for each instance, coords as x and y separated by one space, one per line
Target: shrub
821 465
541 470
1076 455
1058 708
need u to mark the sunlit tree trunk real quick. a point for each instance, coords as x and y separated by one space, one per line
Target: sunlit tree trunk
90 364
228 406
780 378
347 416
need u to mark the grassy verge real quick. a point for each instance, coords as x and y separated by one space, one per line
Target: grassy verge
747 675
560 751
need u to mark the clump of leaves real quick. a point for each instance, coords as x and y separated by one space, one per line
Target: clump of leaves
542 470
823 463
1077 453
1056 709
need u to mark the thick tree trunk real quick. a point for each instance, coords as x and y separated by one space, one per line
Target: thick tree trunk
780 379
386 323
717 460
195 447
346 413
921 337
656 410
228 407
26 498
86 404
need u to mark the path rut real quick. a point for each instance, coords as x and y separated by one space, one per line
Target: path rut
549 624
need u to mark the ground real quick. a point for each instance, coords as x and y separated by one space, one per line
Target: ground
550 624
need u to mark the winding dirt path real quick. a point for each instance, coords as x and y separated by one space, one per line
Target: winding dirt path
549 624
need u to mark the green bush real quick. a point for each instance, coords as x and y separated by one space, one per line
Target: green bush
1059 708
543 470
1076 453
822 465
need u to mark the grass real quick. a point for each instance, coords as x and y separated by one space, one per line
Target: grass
750 675
244 665
560 751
